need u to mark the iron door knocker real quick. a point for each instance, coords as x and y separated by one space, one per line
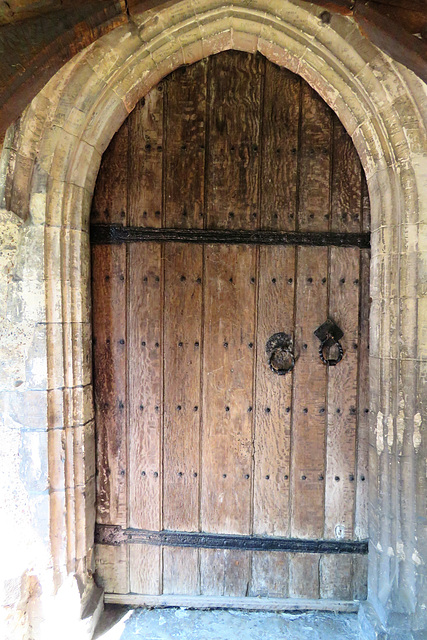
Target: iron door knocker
279 349
329 335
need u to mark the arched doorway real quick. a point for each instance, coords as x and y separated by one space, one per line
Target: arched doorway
231 207
52 160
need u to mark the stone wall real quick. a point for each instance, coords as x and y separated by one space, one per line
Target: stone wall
48 170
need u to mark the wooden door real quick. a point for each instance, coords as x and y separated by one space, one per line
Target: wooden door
230 206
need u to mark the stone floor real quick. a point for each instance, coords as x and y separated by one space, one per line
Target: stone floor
123 623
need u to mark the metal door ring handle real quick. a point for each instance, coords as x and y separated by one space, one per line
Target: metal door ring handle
329 342
281 360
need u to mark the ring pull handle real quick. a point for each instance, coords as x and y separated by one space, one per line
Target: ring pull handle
279 349
330 335
281 361
330 362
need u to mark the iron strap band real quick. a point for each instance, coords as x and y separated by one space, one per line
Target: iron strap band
115 535
117 234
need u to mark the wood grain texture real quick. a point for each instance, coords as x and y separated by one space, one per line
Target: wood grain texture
361 514
279 148
273 394
309 396
145 160
360 577
216 441
230 602
366 208
336 577
109 331
342 396
270 575
145 569
346 189
109 203
183 266
224 573
181 571
112 568
145 386
234 94
304 581
314 162
185 121
229 303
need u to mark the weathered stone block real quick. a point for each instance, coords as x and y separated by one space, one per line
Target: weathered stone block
83 409
34 460
26 408
104 121
36 364
82 353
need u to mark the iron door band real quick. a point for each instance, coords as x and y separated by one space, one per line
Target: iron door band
115 535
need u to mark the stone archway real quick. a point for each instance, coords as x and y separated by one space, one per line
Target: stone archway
50 162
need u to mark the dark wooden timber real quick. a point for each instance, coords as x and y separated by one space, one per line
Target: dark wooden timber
117 234
115 535
37 40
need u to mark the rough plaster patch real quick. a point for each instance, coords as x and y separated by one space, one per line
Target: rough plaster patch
400 550
380 433
26 549
22 297
390 552
10 226
390 432
417 430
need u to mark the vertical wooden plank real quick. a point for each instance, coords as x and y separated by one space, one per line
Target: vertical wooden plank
361 516
109 331
144 569
336 576
308 415
224 572
229 303
146 160
360 577
366 208
315 162
304 575
185 121
270 575
182 405
182 409
342 396
234 94
309 403
279 169
109 204
346 190
180 571
346 211
145 385
145 409
111 567
273 395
